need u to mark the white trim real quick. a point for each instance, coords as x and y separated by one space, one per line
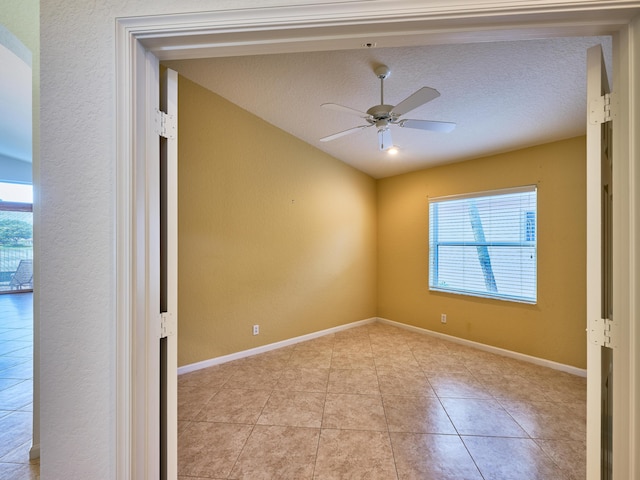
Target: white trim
34 451
272 346
491 349
622 246
137 325
486 193
124 273
344 25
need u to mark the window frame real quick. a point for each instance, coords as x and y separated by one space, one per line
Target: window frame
527 229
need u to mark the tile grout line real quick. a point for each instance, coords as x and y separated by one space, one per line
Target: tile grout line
324 405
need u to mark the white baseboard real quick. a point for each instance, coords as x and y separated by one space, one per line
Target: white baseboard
34 452
488 348
272 346
310 336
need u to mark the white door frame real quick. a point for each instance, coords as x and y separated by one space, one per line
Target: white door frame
141 41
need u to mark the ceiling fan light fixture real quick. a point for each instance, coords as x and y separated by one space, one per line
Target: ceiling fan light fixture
382 124
393 150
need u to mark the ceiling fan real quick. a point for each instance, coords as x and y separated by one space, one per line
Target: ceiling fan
383 116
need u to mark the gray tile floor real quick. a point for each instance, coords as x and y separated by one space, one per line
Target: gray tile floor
16 387
380 402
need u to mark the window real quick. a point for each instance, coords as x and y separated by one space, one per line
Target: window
16 237
484 244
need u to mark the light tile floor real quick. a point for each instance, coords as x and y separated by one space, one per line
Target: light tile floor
380 402
16 387
374 402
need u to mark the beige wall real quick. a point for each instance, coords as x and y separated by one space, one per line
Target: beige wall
271 231
554 329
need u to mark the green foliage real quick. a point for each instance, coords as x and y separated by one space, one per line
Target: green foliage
13 232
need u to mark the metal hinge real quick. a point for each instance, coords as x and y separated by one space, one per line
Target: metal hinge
167 325
604 332
165 124
600 110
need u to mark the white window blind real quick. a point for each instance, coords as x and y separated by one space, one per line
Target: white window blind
484 244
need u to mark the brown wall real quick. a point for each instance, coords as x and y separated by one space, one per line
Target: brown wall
271 231
554 329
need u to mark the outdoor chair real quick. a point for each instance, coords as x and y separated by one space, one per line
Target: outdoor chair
23 276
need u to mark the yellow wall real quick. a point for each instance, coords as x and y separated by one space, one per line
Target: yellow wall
271 231
276 233
554 329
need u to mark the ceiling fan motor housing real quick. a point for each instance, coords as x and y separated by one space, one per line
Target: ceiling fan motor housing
380 112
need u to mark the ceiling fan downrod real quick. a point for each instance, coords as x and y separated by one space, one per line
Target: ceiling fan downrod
382 72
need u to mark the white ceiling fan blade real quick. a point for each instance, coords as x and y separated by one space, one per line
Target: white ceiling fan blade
422 96
343 133
430 125
341 108
384 139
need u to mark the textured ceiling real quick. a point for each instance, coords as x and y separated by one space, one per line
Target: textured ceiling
502 95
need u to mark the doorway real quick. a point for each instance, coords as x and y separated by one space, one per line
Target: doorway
161 34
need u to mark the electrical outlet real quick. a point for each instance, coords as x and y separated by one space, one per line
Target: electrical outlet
443 318
256 329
